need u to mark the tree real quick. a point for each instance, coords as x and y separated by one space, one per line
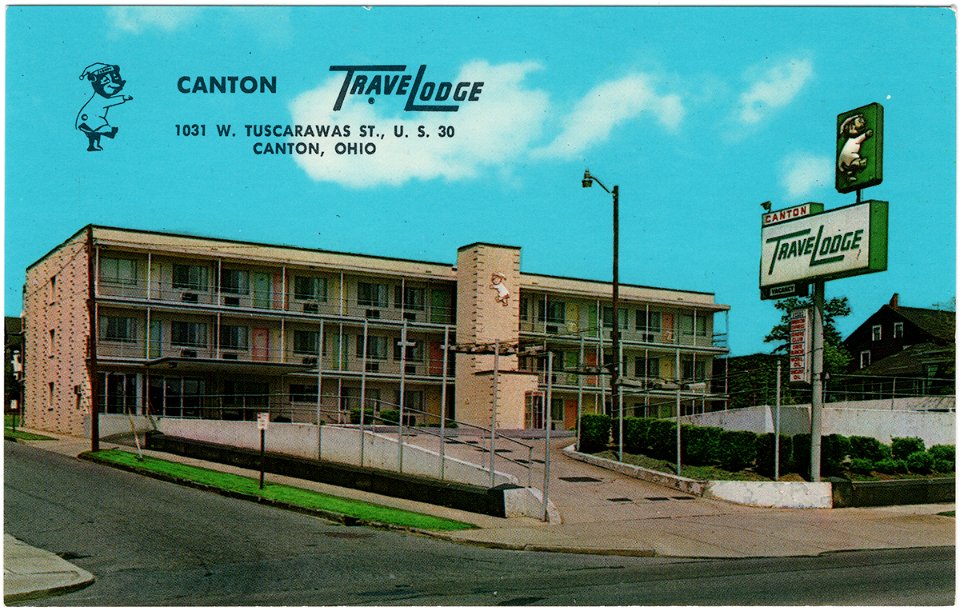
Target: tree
835 355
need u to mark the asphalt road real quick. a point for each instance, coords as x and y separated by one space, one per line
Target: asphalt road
154 543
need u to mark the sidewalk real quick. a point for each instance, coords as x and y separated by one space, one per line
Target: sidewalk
607 513
29 572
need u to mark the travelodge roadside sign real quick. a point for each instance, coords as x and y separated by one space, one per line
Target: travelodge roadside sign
859 148
847 241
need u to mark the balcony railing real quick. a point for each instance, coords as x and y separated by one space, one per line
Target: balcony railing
665 336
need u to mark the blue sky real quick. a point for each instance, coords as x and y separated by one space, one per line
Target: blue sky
698 114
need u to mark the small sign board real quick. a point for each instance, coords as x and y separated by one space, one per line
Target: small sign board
843 242
782 291
800 326
263 420
788 214
859 148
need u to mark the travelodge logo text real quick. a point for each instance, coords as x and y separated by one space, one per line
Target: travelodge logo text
831 244
421 93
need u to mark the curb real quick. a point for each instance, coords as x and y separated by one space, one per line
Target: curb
538 547
320 513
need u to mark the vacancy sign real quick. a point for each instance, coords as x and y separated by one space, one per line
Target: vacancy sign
843 242
800 327
263 420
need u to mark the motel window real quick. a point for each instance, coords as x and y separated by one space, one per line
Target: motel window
864 359
370 294
376 347
235 281
410 298
118 329
50 387
53 289
897 329
687 325
188 333
608 317
350 399
303 393
118 271
118 393
649 368
234 337
306 342
875 333
190 277
691 371
310 288
648 322
412 400
52 344
414 352
555 312
524 308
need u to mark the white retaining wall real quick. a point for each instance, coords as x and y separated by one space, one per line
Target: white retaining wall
882 419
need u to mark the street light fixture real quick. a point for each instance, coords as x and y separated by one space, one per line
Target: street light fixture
587 182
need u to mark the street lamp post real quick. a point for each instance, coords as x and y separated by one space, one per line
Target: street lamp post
587 182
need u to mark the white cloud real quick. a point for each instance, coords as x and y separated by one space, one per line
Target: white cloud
773 89
802 173
136 19
495 131
607 106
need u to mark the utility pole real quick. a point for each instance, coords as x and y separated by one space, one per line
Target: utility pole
816 401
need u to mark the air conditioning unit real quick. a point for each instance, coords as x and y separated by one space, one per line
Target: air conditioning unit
311 308
411 369
229 356
187 353
309 360
374 367
553 328
372 314
411 316
189 297
231 301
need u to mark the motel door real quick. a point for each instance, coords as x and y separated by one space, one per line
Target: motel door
156 336
261 344
534 415
262 290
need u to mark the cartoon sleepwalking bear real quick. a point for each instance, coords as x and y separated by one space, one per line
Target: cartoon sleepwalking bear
92 119
850 163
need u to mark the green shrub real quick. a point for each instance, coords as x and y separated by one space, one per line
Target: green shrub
861 465
389 416
833 451
800 454
869 448
920 462
355 415
594 432
633 432
738 449
944 458
902 447
700 445
663 439
891 466
643 434
765 454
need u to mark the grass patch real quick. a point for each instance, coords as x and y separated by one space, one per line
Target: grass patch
290 495
699 472
949 514
25 436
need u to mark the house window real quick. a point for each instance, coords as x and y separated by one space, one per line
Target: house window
864 359
608 317
234 337
687 325
649 368
412 298
648 322
188 333
376 347
875 333
303 393
235 281
309 288
370 294
118 271
306 342
414 352
897 329
190 277
118 329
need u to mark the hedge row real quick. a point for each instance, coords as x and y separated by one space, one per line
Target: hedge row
738 450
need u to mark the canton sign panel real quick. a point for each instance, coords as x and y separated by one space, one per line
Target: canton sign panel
859 148
844 242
